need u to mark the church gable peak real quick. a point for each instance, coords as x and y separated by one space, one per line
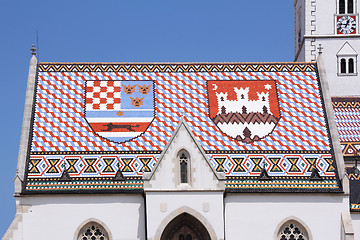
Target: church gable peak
183 165
346 49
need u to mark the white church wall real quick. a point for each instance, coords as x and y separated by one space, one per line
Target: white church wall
355 217
324 17
59 217
259 216
339 85
207 207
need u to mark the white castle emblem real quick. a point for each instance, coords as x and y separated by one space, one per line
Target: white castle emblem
242 104
244 119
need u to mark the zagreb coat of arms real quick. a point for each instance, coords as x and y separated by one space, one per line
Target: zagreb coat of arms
119 110
244 110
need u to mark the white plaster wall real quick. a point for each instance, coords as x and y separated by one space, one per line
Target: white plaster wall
339 85
58 217
325 17
257 216
355 217
161 205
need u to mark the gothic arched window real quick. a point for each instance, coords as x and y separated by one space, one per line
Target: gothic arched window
292 230
184 166
93 231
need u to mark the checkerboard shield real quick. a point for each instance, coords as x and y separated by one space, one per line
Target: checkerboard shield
119 110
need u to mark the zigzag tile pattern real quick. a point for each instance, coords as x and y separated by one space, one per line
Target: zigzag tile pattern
60 125
347 116
62 138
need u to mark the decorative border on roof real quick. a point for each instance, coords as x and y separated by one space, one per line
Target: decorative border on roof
355 207
297 184
207 152
132 184
175 67
350 149
346 102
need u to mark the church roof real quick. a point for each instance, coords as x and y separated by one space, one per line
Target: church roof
99 126
347 116
354 180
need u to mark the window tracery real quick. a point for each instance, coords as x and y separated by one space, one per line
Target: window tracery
292 231
183 168
93 231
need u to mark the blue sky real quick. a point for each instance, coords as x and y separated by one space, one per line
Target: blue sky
127 31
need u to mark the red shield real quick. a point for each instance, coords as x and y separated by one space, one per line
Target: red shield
244 110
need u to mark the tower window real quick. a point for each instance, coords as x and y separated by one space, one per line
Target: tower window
347 60
343 66
346 6
341 6
347 66
350 6
351 65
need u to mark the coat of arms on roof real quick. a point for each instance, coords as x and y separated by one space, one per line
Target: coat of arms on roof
119 110
244 110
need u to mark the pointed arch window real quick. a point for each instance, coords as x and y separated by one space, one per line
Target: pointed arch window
93 231
184 166
292 230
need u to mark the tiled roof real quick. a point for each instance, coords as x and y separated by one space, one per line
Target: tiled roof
347 116
96 119
354 179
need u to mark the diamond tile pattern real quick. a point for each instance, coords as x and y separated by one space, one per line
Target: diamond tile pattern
59 123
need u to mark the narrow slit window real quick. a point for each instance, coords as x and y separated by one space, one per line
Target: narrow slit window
183 168
341 6
343 65
350 6
351 65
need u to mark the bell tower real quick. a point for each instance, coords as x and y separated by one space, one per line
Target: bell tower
332 28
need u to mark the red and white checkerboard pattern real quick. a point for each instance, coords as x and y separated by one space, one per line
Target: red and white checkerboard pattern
103 95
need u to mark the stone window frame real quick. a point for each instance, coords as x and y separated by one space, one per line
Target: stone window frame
347 59
296 222
179 159
87 223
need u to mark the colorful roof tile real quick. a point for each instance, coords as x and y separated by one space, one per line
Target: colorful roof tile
95 120
347 116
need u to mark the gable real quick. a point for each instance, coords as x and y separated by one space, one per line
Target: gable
347 50
166 174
